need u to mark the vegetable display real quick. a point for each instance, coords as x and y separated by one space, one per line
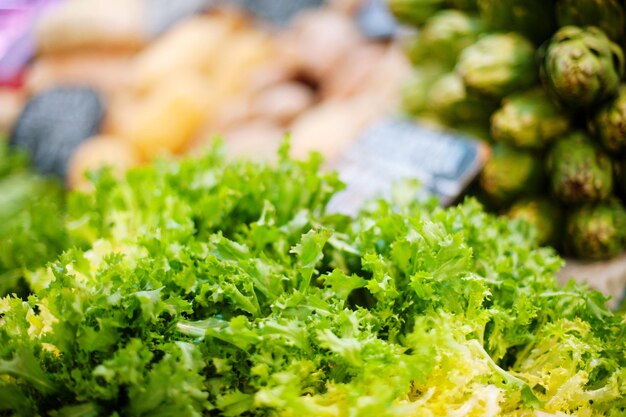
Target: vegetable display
543 81
204 288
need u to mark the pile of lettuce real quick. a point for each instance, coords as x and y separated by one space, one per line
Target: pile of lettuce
201 288
32 231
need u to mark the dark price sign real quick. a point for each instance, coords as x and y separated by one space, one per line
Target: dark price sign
396 150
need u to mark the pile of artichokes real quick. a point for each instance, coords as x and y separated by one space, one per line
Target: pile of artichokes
543 82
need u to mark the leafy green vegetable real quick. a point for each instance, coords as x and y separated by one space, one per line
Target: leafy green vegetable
203 288
31 225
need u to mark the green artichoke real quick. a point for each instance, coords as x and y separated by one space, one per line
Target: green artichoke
532 18
449 99
609 123
509 174
597 231
579 171
415 12
582 67
444 36
497 65
608 15
415 94
543 214
528 120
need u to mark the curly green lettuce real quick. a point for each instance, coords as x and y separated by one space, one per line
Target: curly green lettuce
201 288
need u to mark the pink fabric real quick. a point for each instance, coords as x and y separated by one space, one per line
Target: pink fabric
17 19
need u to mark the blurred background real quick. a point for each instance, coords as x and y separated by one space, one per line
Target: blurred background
161 76
537 86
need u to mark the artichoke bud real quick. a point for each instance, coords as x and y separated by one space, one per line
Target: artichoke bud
579 171
415 93
528 120
448 97
581 66
597 231
497 65
608 15
444 36
510 173
543 214
609 122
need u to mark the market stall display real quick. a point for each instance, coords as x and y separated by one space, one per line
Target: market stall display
178 274
541 80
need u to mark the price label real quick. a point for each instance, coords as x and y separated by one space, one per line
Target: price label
395 150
